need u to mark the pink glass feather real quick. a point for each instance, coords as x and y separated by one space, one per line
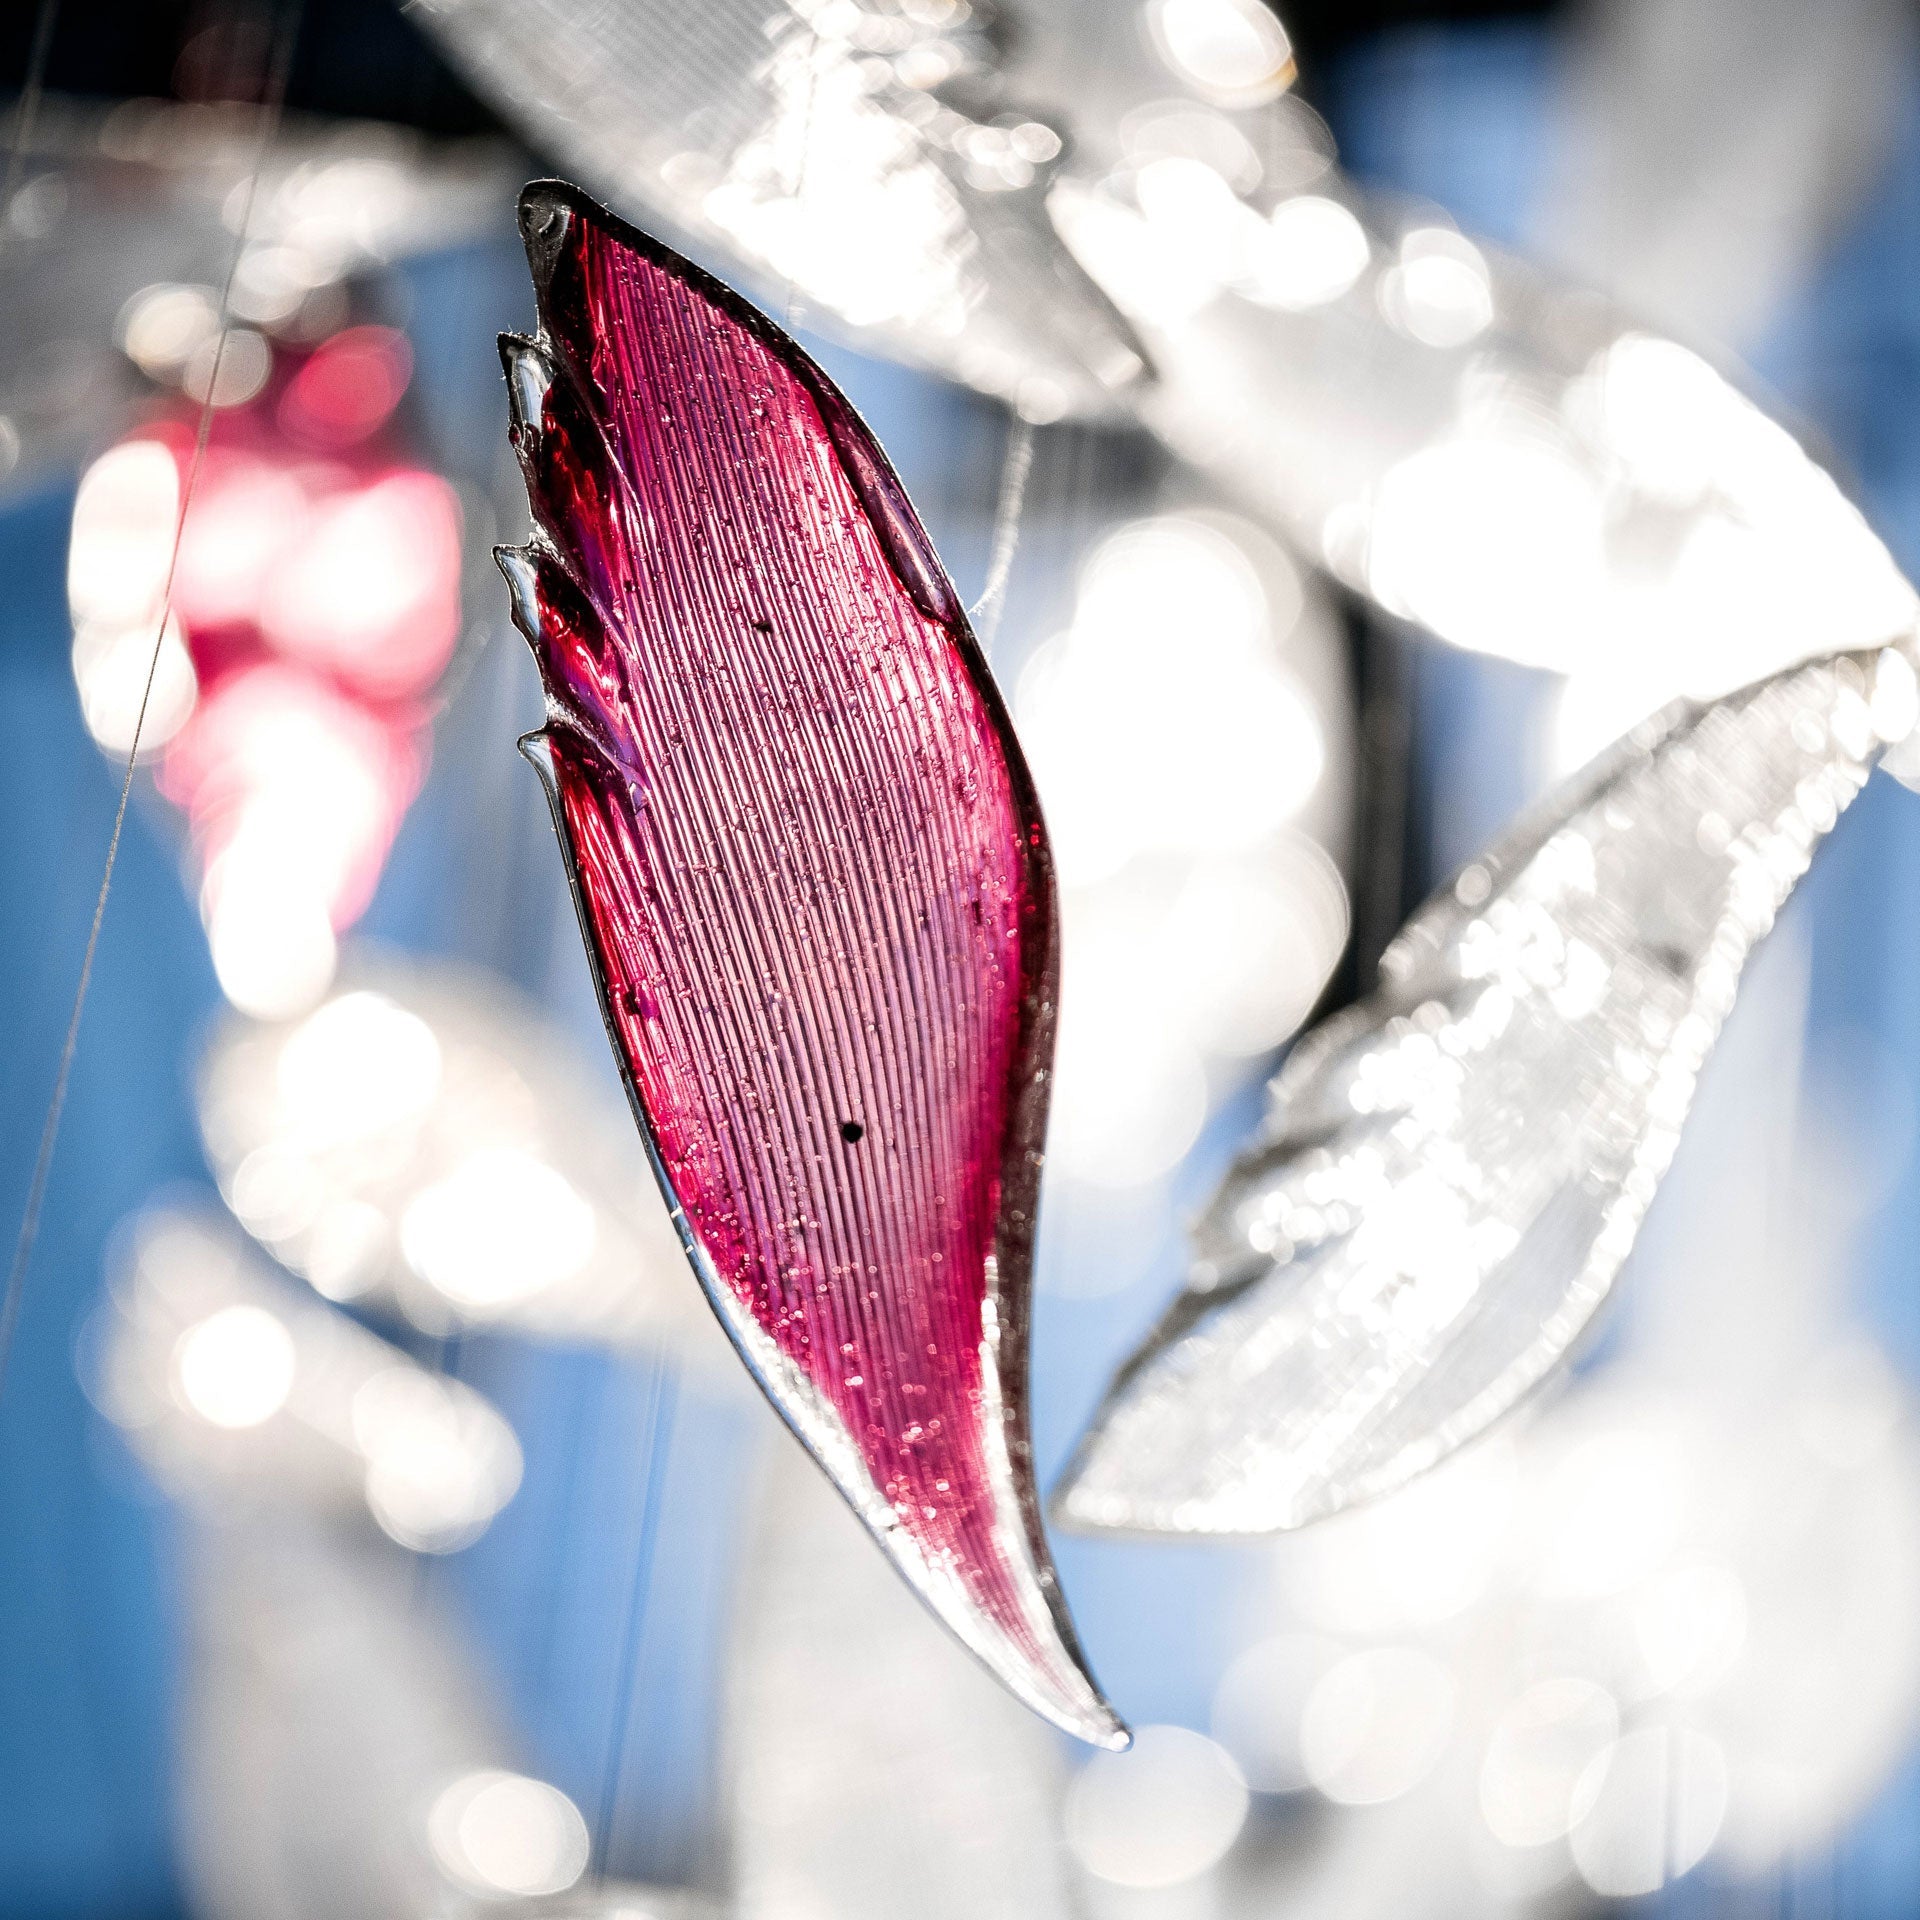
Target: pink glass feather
816 892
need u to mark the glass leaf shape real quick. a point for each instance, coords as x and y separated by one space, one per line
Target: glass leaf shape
1455 1168
816 894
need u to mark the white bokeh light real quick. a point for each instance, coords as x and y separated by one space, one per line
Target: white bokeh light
1258 1706
356 1068
1540 1752
1652 1805
1313 253
235 1368
501 1226
117 668
503 1834
1439 291
439 1462
1163 1812
1233 51
1376 1724
124 520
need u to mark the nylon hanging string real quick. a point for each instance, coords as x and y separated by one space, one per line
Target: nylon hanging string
662 1397
273 96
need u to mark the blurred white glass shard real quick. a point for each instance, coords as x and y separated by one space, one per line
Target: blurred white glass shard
1495 457
360 1774
1456 1168
861 159
236 1387
1468 442
425 1142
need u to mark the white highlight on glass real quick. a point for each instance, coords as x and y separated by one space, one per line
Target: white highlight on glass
1488 537
839 195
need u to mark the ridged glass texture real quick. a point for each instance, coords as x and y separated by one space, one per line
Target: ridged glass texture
1456 1168
816 891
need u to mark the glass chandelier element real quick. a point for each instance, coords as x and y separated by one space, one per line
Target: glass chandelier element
858 158
1455 1169
817 897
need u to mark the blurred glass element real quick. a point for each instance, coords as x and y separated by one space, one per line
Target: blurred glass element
1694 1570
235 1387
310 612
1468 442
339 1758
876 1769
1476 448
1186 733
1455 1169
328 1708
862 158
426 1142
119 233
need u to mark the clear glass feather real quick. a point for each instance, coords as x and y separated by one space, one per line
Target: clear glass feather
1456 1168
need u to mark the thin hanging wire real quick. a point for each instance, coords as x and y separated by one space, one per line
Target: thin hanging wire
271 100
662 1396
26 111
1018 462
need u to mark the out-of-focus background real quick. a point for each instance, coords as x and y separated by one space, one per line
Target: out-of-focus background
384 1529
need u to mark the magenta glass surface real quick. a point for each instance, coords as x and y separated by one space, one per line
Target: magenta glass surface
816 889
